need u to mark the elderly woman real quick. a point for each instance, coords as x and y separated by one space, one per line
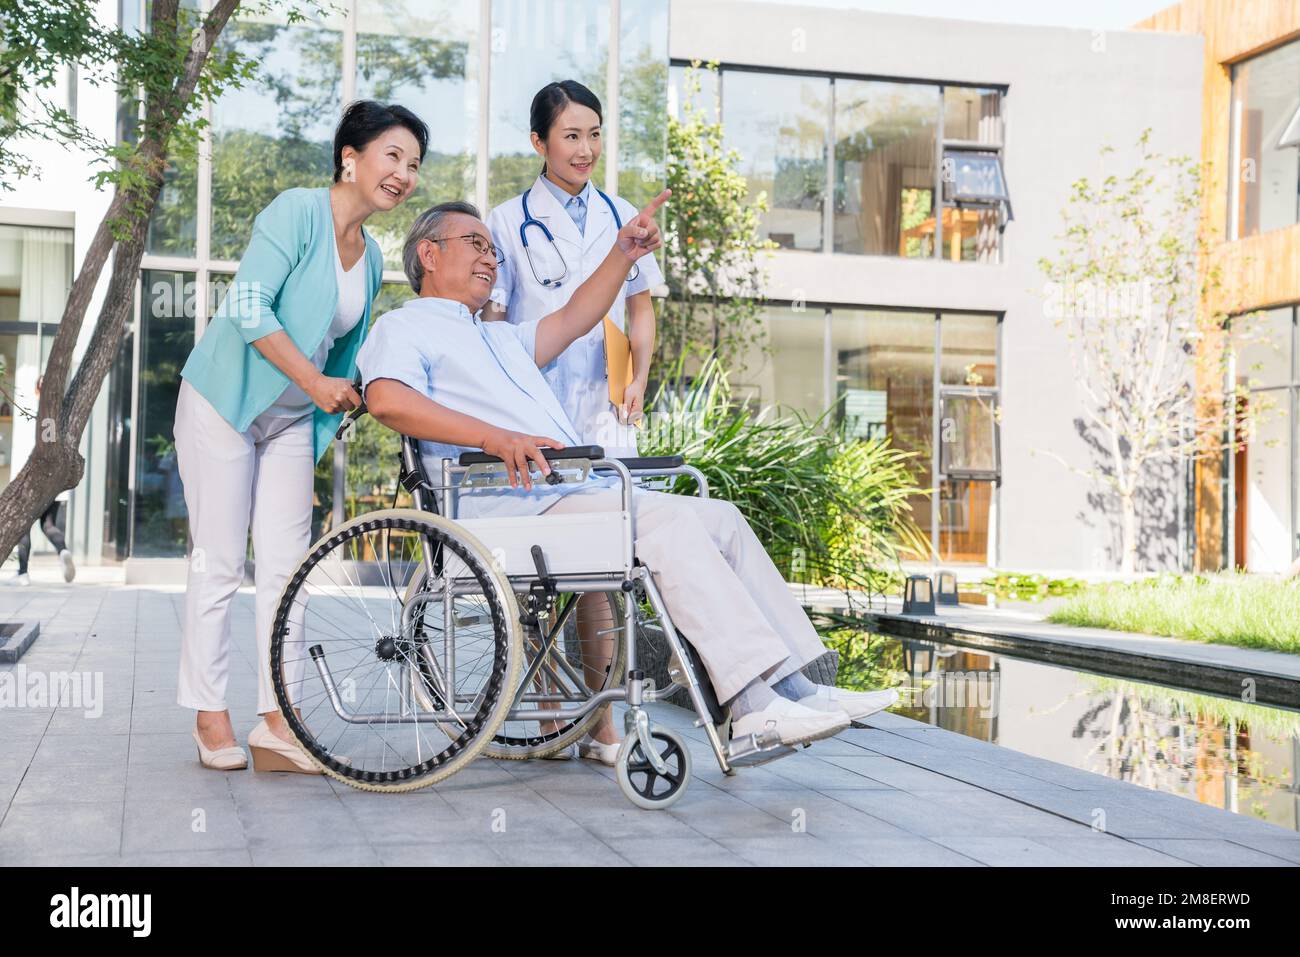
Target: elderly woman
263 391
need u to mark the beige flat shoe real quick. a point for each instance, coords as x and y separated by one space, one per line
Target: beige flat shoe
270 753
592 750
222 759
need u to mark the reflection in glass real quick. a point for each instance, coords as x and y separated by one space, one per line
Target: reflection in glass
884 376
276 133
972 115
705 101
970 350
173 225
884 167
535 42
1265 102
778 125
167 306
642 92
424 56
786 365
1265 515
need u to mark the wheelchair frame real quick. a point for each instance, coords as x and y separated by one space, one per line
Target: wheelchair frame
540 593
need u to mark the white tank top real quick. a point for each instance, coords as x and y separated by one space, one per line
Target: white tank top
293 402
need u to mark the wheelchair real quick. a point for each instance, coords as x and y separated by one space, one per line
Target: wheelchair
409 642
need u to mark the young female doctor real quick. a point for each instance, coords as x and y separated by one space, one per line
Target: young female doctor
553 236
261 395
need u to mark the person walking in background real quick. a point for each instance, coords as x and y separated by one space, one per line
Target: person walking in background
50 529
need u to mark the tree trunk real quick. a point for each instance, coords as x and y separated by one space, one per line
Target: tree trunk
55 463
1128 533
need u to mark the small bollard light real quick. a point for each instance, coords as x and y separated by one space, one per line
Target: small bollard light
918 595
946 589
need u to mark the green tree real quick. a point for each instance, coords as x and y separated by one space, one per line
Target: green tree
712 247
164 73
1126 290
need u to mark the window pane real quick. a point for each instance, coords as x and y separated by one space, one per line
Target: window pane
884 374
964 520
643 94
969 350
972 234
778 125
533 43
1265 98
967 434
275 133
424 55
35 273
166 337
173 225
790 372
884 167
705 99
972 114
1263 345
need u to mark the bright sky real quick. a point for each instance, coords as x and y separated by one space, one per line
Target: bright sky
1103 14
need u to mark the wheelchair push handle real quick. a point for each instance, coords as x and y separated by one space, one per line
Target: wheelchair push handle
355 414
592 452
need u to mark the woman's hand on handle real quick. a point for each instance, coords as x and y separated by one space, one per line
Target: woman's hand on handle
333 395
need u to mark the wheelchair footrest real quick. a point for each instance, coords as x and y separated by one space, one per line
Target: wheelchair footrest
757 748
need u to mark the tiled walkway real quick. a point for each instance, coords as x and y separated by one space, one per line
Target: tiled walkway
125 787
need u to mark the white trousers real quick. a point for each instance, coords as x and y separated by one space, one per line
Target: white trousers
722 590
230 477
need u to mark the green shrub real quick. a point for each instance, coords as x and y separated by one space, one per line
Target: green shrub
830 509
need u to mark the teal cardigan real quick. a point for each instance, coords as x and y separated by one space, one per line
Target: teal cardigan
286 281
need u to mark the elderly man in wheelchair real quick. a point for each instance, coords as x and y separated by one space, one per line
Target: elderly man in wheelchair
410 641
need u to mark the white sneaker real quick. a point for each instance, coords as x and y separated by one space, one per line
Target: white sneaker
794 723
23 579
594 750
856 704
69 569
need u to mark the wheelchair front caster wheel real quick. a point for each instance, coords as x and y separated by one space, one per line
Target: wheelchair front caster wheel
640 782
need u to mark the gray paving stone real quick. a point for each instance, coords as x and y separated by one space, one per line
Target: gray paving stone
73 784
182 826
676 852
581 851
99 749
1214 853
475 853
791 850
348 855
903 852
1109 851
29 834
1007 851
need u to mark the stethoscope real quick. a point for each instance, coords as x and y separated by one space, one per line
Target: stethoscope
528 253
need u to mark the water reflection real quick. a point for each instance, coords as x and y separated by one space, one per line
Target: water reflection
1241 757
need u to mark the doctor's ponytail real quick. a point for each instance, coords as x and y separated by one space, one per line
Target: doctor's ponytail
552 99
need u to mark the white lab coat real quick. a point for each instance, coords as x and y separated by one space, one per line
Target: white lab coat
578 375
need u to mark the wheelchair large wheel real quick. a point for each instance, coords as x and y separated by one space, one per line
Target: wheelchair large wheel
386 686
571 670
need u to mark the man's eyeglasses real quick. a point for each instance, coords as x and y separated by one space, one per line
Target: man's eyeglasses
478 242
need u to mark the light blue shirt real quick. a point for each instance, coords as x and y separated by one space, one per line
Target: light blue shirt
575 206
484 369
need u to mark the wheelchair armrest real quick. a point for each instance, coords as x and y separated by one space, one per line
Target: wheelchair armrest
654 462
574 452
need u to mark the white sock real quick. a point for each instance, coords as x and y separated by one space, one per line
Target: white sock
795 686
755 696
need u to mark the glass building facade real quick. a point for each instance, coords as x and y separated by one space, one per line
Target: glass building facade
1265 143
865 166
469 68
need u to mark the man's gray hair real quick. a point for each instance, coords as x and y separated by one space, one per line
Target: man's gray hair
428 225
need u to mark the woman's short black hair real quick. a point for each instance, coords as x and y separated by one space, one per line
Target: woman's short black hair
553 98
364 120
